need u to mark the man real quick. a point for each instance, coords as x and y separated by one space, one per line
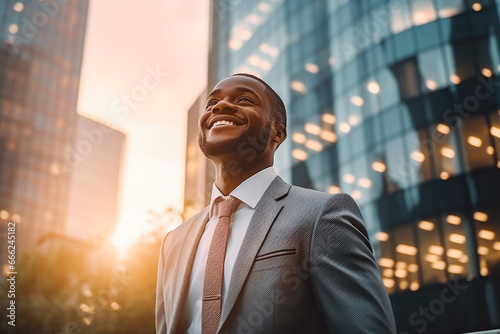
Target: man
265 256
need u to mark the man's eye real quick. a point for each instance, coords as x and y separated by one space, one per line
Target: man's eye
245 98
211 103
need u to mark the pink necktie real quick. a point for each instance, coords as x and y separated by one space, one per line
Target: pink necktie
214 271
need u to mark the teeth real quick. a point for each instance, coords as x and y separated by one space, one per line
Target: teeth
223 122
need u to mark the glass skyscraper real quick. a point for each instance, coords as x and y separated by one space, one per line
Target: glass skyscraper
396 103
41 44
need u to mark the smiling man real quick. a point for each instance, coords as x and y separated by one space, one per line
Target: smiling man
265 256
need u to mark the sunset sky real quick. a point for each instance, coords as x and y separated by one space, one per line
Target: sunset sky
126 41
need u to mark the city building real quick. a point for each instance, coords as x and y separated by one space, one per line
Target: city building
95 181
41 44
396 103
199 171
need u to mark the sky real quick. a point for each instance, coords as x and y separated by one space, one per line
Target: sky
144 64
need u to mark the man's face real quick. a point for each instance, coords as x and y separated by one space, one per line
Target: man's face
237 116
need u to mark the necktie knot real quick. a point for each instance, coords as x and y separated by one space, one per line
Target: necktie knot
227 206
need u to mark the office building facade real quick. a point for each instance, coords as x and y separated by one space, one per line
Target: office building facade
95 182
41 44
397 104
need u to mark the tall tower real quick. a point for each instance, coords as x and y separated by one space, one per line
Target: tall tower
41 44
396 103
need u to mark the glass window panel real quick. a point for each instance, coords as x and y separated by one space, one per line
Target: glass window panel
359 140
416 165
401 20
445 152
423 12
355 107
463 54
397 177
427 35
494 53
456 246
405 44
487 223
372 105
449 8
495 135
383 241
449 62
389 92
346 178
407 76
391 122
432 70
376 170
432 253
362 183
406 252
476 143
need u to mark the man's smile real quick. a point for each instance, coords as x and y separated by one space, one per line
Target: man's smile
224 120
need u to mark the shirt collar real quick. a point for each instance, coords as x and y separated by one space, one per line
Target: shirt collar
249 191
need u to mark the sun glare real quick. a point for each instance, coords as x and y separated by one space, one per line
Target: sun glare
123 238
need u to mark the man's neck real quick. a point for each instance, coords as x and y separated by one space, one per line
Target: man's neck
228 177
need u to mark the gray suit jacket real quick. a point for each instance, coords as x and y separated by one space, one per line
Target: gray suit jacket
305 266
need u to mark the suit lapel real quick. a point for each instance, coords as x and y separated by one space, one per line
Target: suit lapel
265 213
184 265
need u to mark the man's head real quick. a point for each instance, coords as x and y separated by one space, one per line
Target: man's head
244 118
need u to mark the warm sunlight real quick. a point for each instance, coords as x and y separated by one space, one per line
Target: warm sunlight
123 238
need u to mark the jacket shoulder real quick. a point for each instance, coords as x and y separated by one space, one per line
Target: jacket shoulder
179 232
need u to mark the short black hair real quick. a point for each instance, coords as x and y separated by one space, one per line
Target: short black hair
278 110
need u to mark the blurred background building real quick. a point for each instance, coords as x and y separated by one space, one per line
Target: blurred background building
59 172
397 104
95 182
40 61
199 170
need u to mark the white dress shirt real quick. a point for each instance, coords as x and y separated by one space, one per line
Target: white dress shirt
249 192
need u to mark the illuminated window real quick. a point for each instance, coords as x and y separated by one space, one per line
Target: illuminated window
426 225
334 189
455 79
13 28
373 87
312 128
423 12
298 86
299 155
449 8
235 44
314 145
328 136
379 166
357 101
254 19
382 236
311 68
18 7
480 216
328 118
264 7
299 138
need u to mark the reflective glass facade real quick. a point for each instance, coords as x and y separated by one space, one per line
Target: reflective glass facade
397 104
41 45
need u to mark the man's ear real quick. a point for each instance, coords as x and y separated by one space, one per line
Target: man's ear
279 133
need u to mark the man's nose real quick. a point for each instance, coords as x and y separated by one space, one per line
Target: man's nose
223 106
